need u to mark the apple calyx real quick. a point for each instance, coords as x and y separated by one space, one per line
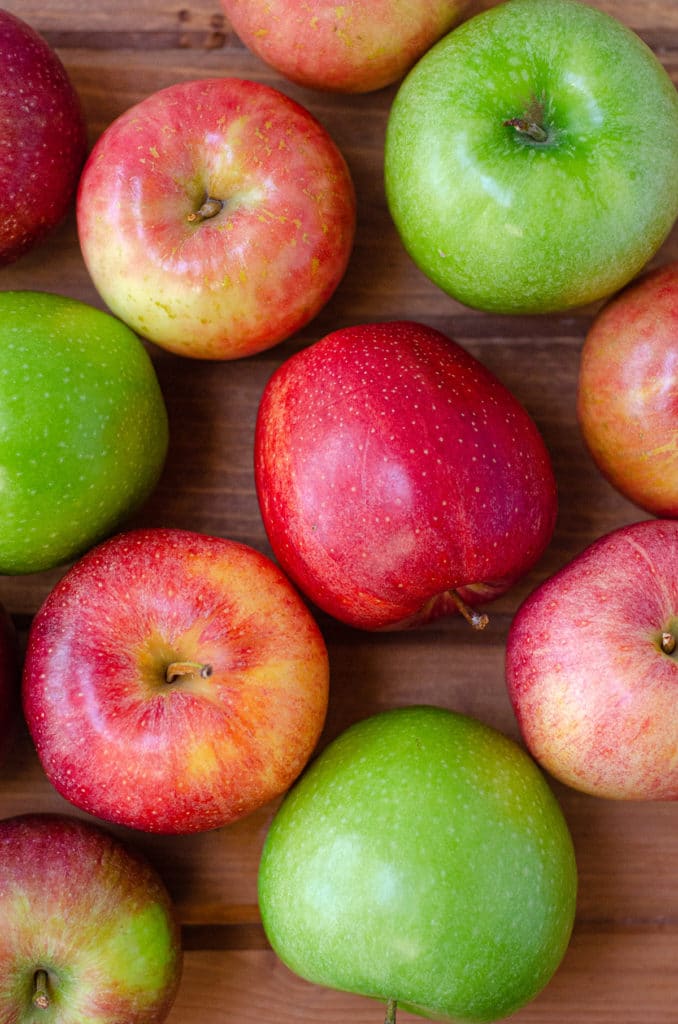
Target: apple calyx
179 669
478 620
41 999
668 642
210 207
390 1017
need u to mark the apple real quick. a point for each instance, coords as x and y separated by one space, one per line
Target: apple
9 679
355 46
84 428
174 681
398 479
43 138
422 860
216 217
627 395
592 667
89 932
531 157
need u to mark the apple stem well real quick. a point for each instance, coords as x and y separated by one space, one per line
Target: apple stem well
40 989
524 126
210 208
476 619
179 669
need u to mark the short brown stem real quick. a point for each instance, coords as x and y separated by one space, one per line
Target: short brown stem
40 990
524 126
390 1017
478 620
177 669
210 208
668 642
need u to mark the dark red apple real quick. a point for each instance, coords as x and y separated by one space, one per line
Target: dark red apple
397 475
174 681
42 138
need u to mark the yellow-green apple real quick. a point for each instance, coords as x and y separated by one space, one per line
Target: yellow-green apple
9 679
216 217
397 477
592 667
174 681
84 432
422 860
353 46
89 931
532 156
627 396
42 138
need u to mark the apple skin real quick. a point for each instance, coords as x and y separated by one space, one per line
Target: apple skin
84 429
120 740
353 47
9 680
43 139
422 858
592 689
392 468
508 224
259 269
627 394
94 915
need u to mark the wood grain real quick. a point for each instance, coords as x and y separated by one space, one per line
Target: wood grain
622 964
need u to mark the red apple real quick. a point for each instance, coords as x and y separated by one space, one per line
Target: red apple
353 46
42 138
216 217
592 667
9 679
89 932
627 399
396 474
174 681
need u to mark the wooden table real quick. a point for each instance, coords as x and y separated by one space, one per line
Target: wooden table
622 964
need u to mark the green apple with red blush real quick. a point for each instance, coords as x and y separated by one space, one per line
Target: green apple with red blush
84 430
89 930
216 217
627 391
353 47
531 157
422 860
174 682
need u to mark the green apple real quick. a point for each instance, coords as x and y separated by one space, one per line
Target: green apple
83 433
422 860
531 159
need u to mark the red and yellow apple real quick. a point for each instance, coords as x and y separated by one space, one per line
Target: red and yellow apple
397 477
43 138
89 932
353 46
627 398
216 217
174 682
592 666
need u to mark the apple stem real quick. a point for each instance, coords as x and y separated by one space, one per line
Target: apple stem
210 208
177 669
476 619
40 992
668 643
390 1017
526 127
